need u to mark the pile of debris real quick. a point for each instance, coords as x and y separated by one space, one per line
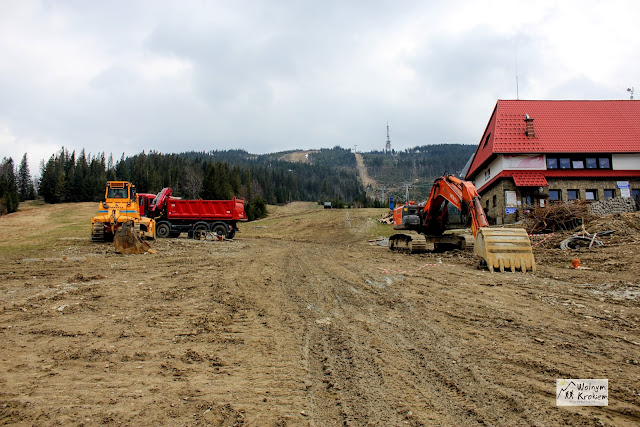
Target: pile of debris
386 218
625 225
613 206
557 217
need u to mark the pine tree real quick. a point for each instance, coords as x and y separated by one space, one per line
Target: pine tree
9 196
25 183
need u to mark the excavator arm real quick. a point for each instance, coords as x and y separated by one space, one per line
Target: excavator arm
500 248
462 195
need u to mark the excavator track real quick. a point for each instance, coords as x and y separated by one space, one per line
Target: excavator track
411 243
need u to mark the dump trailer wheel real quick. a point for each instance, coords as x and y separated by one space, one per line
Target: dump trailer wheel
220 229
163 230
201 226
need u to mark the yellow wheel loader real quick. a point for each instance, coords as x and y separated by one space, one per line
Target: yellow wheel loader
119 220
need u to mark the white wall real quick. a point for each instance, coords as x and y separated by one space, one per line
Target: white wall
625 161
510 162
489 172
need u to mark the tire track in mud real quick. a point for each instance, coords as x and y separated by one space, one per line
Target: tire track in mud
530 341
353 373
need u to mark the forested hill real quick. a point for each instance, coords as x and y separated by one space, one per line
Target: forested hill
320 175
260 179
417 166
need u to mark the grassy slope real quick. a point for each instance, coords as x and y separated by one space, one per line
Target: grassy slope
42 230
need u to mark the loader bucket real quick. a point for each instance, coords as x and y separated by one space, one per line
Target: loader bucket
505 248
126 241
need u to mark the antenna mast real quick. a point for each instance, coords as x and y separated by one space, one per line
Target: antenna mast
387 147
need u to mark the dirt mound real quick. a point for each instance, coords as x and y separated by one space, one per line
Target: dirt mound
622 224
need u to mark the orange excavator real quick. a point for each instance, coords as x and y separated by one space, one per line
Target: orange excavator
499 248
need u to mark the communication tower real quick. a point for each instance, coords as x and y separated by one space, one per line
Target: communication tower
387 148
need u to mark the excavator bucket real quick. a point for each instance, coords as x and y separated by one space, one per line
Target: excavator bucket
505 248
127 241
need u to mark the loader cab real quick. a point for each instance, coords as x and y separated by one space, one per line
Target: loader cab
119 190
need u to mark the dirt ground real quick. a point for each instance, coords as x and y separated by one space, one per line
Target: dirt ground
300 320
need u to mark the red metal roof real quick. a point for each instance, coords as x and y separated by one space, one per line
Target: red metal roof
529 179
562 173
560 127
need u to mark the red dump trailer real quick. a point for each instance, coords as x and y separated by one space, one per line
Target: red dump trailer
174 215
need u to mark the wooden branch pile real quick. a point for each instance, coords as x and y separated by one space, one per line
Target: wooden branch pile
386 218
557 217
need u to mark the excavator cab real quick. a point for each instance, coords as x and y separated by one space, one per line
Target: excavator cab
406 217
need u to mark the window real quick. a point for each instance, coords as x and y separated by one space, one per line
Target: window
495 200
578 161
486 140
554 195
635 193
573 194
591 195
604 163
609 194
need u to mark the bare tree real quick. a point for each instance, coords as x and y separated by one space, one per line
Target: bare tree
191 183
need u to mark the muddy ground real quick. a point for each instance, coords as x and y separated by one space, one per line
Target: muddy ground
301 321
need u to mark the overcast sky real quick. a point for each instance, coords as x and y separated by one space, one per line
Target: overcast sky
274 75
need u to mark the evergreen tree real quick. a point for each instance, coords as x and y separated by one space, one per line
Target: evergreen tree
25 183
49 180
9 195
111 169
122 170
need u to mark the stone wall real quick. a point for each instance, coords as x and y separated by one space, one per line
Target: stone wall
496 211
611 206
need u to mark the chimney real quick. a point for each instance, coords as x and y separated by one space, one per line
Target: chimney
530 131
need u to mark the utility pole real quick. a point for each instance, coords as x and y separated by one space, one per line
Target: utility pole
383 190
355 149
406 192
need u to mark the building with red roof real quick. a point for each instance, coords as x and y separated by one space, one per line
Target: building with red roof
539 152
